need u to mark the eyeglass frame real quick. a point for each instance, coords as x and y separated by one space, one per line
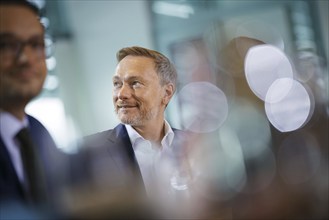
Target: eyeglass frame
43 52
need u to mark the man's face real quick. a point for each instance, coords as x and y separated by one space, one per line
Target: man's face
138 96
21 74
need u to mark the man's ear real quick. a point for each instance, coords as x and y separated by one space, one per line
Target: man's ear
168 93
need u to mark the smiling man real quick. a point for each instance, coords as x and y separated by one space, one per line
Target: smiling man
127 161
144 83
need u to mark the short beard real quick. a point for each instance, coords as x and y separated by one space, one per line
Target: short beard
12 97
138 120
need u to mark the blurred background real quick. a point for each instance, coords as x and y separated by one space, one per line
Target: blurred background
87 34
253 80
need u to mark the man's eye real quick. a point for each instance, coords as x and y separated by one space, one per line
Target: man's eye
116 84
136 83
37 44
8 45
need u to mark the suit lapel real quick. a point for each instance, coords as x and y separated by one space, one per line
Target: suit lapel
122 153
122 135
121 147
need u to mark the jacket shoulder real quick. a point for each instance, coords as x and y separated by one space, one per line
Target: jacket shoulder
96 139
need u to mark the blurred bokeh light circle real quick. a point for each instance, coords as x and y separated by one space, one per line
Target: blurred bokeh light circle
187 58
263 65
204 107
291 111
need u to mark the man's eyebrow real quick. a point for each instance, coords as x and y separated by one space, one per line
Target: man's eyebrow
128 78
134 78
5 35
115 78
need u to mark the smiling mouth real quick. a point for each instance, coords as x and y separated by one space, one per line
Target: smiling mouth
126 106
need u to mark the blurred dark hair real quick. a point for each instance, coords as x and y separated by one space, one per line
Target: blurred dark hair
24 3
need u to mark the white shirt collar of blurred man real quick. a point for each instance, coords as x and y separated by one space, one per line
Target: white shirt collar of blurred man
9 127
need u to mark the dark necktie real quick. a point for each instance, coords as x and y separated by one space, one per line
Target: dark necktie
33 175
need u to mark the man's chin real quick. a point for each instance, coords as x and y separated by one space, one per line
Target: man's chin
21 94
130 120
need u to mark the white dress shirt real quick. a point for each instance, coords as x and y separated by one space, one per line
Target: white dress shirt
148 155
9 127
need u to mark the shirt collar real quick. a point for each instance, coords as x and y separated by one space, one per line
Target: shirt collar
165 142
169 135
10 125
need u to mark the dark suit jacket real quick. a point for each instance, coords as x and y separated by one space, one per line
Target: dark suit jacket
106 175
108 158
51 161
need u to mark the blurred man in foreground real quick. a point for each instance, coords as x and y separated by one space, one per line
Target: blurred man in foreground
27 151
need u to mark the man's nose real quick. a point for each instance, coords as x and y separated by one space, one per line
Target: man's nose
124 92
25 54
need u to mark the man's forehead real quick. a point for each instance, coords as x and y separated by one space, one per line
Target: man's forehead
136 67
135 63
19 20
134 60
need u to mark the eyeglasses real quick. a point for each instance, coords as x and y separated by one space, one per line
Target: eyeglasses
11 47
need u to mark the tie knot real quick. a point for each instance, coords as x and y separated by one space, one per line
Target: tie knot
24 137
23 133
